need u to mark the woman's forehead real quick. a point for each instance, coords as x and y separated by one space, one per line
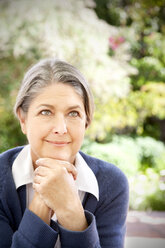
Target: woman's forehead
58 90
58 94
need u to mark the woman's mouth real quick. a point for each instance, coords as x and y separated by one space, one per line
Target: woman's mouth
58 143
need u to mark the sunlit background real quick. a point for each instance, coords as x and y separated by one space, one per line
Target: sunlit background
119 45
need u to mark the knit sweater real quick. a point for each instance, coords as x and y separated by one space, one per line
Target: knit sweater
21 228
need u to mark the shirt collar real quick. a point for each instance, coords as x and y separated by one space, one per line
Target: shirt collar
22 168
23 171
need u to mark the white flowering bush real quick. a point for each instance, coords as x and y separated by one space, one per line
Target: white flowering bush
66 29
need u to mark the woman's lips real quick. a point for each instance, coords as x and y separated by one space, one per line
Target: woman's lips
58 143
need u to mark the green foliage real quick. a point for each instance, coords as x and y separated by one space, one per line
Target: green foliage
108 11
150 3
151 65
142 25
11 136
12 70
10 132
147 191
150 69
116 152
143 162
10 78
128 115
131 155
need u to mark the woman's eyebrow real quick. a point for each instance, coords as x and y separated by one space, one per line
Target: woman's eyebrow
45 105
74 107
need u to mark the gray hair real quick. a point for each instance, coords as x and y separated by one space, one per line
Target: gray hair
47 72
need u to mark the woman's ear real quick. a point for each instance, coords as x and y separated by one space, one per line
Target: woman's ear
22 119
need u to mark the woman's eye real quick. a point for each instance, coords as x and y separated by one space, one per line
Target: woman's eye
45 112
74 114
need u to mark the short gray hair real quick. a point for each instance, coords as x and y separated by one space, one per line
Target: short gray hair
47 72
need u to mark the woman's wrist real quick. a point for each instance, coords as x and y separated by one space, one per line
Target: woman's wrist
38 207
72 219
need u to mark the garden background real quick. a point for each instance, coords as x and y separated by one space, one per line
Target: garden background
119 45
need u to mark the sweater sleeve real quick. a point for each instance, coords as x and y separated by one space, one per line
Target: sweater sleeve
86 238
32 233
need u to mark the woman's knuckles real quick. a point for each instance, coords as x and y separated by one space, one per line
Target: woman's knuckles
53 164
52 177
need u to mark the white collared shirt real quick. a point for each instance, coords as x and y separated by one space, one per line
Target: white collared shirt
23 174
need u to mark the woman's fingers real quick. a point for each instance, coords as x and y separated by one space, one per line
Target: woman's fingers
37 179
53 164
40 170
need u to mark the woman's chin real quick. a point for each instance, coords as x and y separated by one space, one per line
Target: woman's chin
62 157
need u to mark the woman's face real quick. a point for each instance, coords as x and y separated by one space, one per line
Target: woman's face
55 123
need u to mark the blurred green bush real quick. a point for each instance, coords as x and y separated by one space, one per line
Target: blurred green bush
143 161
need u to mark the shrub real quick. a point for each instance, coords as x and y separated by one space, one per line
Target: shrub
142 160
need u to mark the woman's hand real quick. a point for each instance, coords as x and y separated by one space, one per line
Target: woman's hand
54 181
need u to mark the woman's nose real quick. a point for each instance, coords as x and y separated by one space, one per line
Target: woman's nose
59 125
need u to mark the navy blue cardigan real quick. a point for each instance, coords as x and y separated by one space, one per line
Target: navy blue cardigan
20 228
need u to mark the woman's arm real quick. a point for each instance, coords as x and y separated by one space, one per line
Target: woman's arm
32 231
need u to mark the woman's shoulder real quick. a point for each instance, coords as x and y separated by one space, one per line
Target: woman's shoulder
6 160
8 156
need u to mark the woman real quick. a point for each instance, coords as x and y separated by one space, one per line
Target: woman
52 194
